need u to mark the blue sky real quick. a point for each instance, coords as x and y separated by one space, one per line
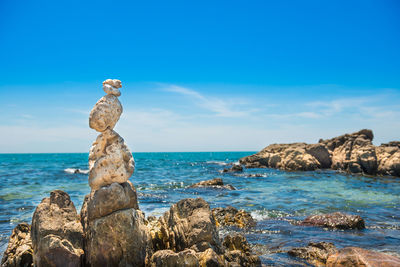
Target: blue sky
198 76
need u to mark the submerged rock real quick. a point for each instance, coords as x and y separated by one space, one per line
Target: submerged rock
57 235
110 160
19 252
336 220
353 256
231 216
315 253
214 183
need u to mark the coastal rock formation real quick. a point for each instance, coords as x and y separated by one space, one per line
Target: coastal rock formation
231 216
352 153
188 224
188 229
353 256
110 160
315 253
19 251
57 235
336 220
214 183
297 156
238 251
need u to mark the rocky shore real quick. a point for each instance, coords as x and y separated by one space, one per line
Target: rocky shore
352 153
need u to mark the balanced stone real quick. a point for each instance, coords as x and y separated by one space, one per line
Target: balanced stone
110 87
105 114
110 160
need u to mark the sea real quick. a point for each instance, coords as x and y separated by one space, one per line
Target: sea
276 199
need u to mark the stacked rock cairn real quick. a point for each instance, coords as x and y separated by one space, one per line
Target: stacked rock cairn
113 225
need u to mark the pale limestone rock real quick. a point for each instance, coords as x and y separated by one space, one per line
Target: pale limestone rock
113 82
110 90
105 113
110 160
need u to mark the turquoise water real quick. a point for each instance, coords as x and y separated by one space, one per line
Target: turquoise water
276 199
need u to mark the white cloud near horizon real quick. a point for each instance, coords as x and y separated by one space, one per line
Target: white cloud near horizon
203 122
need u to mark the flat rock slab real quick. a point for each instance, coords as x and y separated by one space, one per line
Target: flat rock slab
334 220
214 183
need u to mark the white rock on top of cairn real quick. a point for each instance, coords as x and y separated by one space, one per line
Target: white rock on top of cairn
110 159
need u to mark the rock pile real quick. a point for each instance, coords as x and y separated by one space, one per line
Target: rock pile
352 153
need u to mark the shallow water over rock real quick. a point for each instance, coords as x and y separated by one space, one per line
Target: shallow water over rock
276 199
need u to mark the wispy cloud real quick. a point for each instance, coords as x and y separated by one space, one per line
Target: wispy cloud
221 107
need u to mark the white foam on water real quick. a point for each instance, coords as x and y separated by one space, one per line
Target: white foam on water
74 171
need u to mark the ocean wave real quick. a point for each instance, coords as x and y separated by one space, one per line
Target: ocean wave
216 162
74 171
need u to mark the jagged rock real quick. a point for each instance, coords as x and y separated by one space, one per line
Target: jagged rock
335 220
188 224
110 160
231 216
354 152
210 258
353 256
296 156
168 258
238 250
110 87
105 114
115 229
57 235
315 253
388 157
19 252
234 168
214 183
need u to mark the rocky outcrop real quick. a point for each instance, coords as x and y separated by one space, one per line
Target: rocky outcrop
19 252
336 220
231 216
353 256
315 253
238 251
188 224
57 236
353 153
214 183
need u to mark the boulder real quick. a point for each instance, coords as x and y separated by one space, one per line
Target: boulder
234 168
57 235
238 251
188 224
231 216
105 113
111 198
336 220
353 256
168 258
115 229
315 253
210 258
214 183
110 160
19 252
